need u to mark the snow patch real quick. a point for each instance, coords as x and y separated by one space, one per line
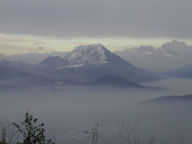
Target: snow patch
85 55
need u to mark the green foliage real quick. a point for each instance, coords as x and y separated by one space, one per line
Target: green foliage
32 132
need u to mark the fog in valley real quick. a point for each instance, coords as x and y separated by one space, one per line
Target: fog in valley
70 110
92 87
95 72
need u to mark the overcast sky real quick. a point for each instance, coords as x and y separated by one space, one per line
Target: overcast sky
136 19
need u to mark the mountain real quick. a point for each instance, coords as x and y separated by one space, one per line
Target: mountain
32 58
52 62
91 64
5 72
182 72
14 77
172 99
87 63
14 64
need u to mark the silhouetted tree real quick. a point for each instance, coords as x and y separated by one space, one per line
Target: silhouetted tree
32 132
8 132
130 136
93 134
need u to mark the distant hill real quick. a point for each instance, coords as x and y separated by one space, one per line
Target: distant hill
93 64
114 81
182 72
32 58
12 76
6 72
171 99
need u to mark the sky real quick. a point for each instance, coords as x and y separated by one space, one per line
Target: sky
60 25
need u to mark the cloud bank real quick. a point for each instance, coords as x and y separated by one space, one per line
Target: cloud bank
169 56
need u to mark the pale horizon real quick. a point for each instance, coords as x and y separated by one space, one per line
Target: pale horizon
14 44
60 25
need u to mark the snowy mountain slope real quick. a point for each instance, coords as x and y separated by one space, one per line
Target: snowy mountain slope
81 56
85 55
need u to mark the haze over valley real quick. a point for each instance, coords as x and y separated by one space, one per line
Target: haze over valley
93 84
95 72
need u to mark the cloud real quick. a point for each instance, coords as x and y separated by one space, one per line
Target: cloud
40 48
82 18
169 56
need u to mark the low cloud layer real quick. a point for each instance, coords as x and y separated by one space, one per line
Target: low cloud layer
169 56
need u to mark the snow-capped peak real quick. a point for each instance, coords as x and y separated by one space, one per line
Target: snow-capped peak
88 54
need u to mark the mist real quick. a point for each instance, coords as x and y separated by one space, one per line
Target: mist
96 71
91 85
169 56
68 111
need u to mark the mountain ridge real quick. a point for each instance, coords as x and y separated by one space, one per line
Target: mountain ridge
94 61
83 65
171 99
